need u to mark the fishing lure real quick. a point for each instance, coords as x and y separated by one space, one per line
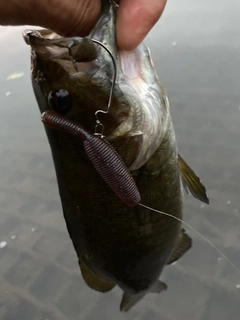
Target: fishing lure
103 156
108 162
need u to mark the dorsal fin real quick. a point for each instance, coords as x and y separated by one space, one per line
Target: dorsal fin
191 181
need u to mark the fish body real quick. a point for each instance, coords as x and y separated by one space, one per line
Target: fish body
116 244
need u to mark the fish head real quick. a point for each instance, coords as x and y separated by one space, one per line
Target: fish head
74 76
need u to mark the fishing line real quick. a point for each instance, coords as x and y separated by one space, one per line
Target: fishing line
101 126
198 233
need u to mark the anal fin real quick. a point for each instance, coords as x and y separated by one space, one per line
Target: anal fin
183 244
94 280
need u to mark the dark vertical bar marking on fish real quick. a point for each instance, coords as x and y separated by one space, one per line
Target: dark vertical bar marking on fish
103 156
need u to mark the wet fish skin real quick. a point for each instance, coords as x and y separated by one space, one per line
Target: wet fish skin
115 244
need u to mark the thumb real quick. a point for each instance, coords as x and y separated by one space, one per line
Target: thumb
74 17
135 19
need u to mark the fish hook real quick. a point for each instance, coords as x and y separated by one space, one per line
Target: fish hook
99 125
103 156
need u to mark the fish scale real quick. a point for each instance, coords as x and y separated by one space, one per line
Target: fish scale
116 244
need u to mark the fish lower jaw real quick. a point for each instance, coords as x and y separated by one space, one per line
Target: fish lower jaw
124 129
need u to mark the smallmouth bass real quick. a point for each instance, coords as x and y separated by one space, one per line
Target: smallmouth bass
115 244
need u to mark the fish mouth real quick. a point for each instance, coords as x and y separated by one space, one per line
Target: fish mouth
138 112
84 63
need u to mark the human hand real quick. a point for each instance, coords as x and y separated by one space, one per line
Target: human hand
135 18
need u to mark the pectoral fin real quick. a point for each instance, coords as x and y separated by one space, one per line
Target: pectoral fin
183 245
94 281
191 181
158 287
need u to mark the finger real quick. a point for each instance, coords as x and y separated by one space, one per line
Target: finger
79 18
135 19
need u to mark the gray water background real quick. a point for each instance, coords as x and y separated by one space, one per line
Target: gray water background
196 50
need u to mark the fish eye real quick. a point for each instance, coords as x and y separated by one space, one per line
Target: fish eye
60 100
